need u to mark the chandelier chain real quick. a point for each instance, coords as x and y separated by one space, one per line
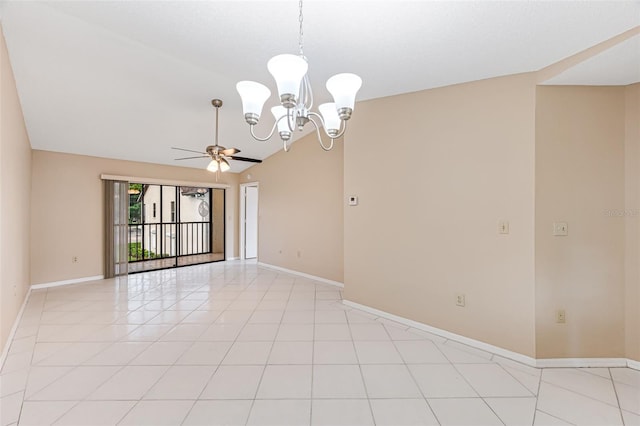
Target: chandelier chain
301 34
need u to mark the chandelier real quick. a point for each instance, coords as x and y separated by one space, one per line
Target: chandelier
296 99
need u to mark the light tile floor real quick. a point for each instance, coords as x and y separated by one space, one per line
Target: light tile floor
233 343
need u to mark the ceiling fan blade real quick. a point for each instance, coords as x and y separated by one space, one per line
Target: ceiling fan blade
188 150
251 160
229 151
189 158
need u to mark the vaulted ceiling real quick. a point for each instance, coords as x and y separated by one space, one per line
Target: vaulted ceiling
131 79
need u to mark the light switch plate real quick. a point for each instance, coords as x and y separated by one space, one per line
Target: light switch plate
353 200
560 229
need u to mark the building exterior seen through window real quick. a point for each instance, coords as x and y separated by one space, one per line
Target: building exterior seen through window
174 226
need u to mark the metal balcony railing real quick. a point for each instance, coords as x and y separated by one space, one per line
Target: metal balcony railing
161 240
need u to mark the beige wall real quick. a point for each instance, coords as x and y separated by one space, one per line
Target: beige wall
632 221
579 180
435 171
67 210
15 185
300 209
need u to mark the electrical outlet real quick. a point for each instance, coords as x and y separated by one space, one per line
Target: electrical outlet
460 300
561 317
503 227
560 229
74 259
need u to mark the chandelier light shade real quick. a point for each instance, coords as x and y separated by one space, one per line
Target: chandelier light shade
330 117
280 112
343 88
296 99
253 96
288 71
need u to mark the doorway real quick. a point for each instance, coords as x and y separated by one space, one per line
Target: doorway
249 220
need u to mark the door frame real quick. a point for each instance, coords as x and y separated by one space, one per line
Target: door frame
242 215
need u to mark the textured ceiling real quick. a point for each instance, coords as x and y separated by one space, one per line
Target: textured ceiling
130 79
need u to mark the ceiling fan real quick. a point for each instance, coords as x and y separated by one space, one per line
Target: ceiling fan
219 154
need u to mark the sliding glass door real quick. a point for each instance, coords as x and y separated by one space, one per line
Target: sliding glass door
173 226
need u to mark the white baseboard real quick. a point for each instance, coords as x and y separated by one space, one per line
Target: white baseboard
12 333
66 282
581 362
523 359
302 274
633 364
232 258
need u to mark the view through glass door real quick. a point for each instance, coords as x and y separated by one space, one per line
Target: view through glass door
173 226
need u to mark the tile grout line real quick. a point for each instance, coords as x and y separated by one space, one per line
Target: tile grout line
364 383
217 367
141 399
469 383
580 394
415 381
615 391
555 417
4 359
266 362
30 365
313 354
170 287
122 367
518 380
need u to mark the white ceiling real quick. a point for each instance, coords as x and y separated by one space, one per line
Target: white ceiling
131 79
617 66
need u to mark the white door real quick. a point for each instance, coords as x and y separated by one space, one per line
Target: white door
251 222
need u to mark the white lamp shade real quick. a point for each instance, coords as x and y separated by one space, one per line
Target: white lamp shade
288 71
253 96
330 116
213 166
279 111
223 165
343 87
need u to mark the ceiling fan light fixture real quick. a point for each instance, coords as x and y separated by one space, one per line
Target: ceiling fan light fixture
218 154
296 98
213 166
220 164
